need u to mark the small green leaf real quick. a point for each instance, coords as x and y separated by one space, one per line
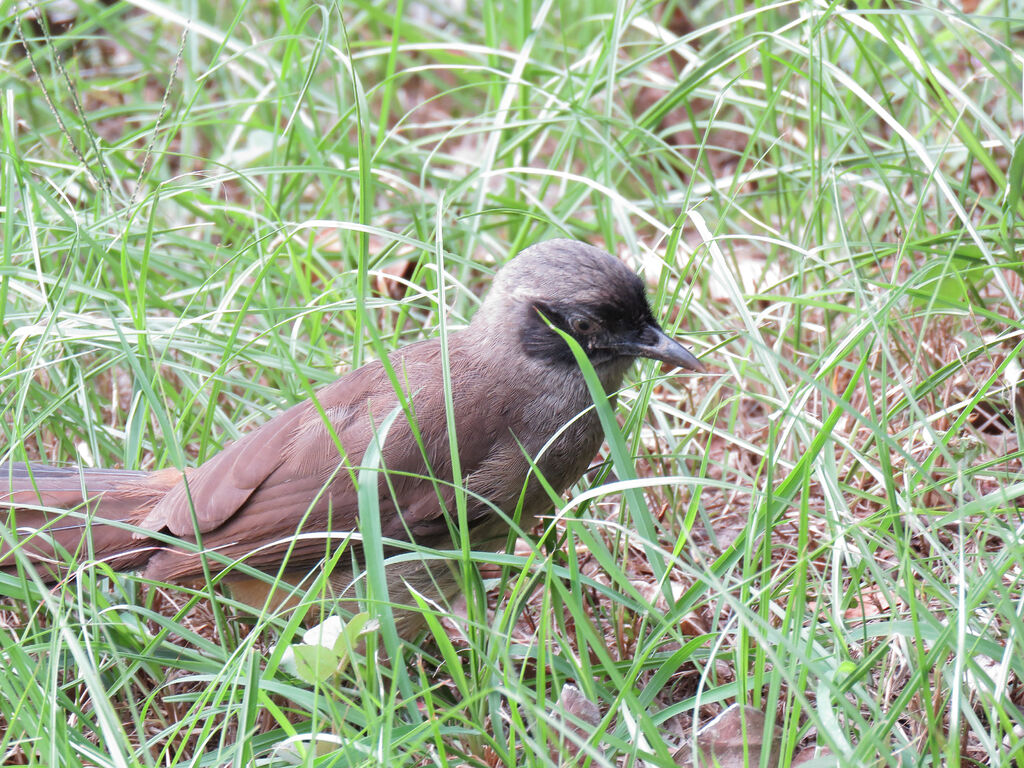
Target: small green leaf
356 627
315 664
946 280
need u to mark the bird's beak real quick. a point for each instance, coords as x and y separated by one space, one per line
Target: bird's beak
654 344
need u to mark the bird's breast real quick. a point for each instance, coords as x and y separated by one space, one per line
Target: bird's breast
547 425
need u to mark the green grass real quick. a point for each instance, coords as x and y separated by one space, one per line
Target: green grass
825 199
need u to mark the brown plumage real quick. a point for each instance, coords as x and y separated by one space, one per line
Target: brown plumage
515 385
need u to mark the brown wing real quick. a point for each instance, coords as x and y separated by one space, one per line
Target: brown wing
289 477
221 486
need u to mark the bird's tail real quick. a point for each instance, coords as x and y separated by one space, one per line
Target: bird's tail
56 515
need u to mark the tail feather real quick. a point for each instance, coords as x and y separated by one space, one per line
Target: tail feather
53 511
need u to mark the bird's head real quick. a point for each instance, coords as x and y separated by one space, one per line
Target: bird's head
586 293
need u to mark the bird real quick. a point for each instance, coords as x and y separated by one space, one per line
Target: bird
521 411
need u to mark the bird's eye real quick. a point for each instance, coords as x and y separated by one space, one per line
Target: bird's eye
582 324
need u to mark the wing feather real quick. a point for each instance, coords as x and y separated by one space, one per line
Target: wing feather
289 477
